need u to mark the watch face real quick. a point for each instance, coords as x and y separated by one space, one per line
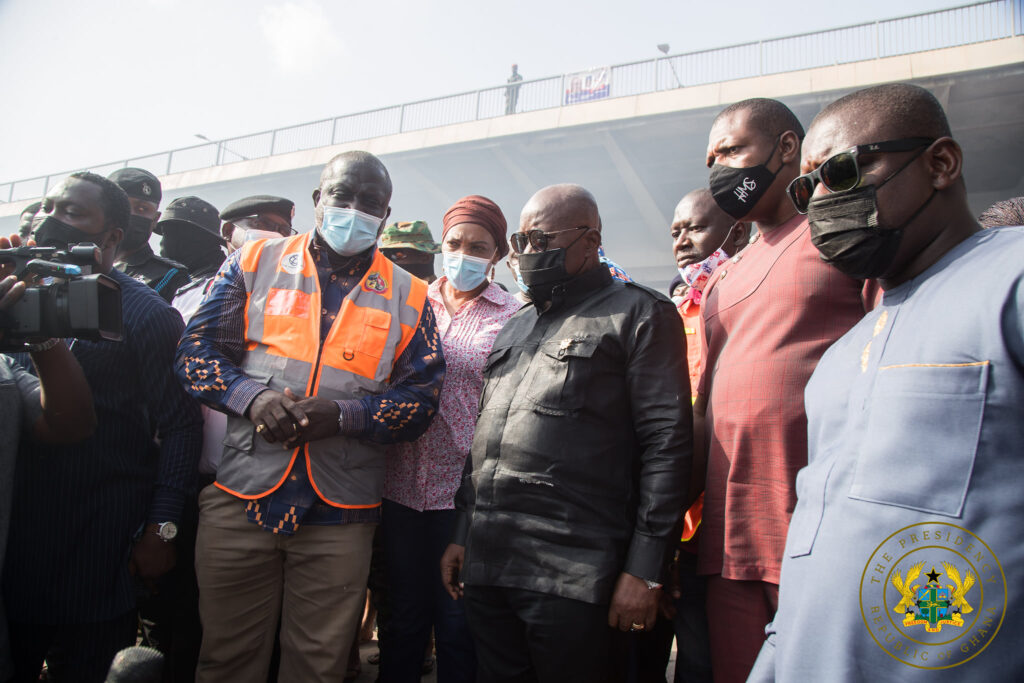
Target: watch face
168 531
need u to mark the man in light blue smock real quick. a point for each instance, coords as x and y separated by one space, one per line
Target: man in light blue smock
905 557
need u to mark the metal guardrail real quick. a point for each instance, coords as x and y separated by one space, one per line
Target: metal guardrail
979 22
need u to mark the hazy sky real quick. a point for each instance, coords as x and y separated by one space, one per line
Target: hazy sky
95 81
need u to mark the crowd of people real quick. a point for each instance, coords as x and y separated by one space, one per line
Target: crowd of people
800 465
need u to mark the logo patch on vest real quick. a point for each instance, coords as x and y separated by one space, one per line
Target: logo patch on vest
375 282
292 263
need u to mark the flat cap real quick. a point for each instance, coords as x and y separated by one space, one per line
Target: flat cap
257 204
191 211
138 183
409 235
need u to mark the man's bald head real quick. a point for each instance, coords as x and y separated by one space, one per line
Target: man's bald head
905 110
354 180
562 211
355 158
701 199
564 203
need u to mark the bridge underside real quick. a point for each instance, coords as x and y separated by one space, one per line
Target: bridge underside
638 167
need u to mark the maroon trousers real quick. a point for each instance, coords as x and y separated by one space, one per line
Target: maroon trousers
738 611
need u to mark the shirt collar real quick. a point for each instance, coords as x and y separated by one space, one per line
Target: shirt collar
492 293
579 288
141 255
355 264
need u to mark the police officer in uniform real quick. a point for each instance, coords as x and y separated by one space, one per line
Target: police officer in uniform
134 255
190 228
252 218
258 217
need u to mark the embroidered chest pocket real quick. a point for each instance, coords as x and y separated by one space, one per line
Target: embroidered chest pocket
922 434
557 379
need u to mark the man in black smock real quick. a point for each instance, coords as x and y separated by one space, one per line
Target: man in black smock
580 458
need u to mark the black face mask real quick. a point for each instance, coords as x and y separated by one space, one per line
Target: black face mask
738 190
196 255
844 229
424 271
139 230
51 232
542 271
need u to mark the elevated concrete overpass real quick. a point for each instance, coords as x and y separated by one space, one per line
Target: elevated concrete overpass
638 154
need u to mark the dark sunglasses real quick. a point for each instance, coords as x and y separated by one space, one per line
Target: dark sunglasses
536 238
841 172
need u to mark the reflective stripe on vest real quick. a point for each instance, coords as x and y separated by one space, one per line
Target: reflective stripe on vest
376 322
692 519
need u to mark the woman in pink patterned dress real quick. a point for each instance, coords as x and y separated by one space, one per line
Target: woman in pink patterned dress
422 477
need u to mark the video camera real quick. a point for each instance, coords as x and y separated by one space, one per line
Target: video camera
74 302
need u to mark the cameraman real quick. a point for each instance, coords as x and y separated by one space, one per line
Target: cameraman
56 408
86 518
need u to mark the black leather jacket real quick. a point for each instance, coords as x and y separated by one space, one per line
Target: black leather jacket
581 455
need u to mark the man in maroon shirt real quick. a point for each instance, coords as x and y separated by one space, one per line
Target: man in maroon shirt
769 315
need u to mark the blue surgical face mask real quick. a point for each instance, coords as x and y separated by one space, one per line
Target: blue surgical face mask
519 281
465 273
347 231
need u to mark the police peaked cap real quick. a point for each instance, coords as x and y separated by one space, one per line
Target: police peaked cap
138 183
191 211
261 203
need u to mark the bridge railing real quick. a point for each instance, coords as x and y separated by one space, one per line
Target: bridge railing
964 25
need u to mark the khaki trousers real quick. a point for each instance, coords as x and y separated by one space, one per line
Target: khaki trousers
248 577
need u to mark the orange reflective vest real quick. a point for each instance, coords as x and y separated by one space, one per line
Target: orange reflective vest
692 323
376 322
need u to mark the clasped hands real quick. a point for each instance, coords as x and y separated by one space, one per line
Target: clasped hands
287 419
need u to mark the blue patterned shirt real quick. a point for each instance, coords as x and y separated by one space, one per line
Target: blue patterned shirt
617 271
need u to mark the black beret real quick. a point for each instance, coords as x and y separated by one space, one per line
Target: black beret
137 183
261 203
192 211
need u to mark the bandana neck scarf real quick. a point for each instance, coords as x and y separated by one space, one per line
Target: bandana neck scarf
696 275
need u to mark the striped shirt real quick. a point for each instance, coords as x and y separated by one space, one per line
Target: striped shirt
77 507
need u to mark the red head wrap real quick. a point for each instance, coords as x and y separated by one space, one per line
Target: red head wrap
483 212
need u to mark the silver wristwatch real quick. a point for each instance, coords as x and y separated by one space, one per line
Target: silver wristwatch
167 531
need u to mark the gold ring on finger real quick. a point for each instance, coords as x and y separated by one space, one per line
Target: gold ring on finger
260 428
636 627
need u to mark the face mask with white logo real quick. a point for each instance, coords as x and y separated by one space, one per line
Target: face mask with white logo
738 190
347 231
465 273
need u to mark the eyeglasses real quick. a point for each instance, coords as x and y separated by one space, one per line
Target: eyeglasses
841 172
260 222
536 238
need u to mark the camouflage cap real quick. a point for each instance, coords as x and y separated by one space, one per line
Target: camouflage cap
409 235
